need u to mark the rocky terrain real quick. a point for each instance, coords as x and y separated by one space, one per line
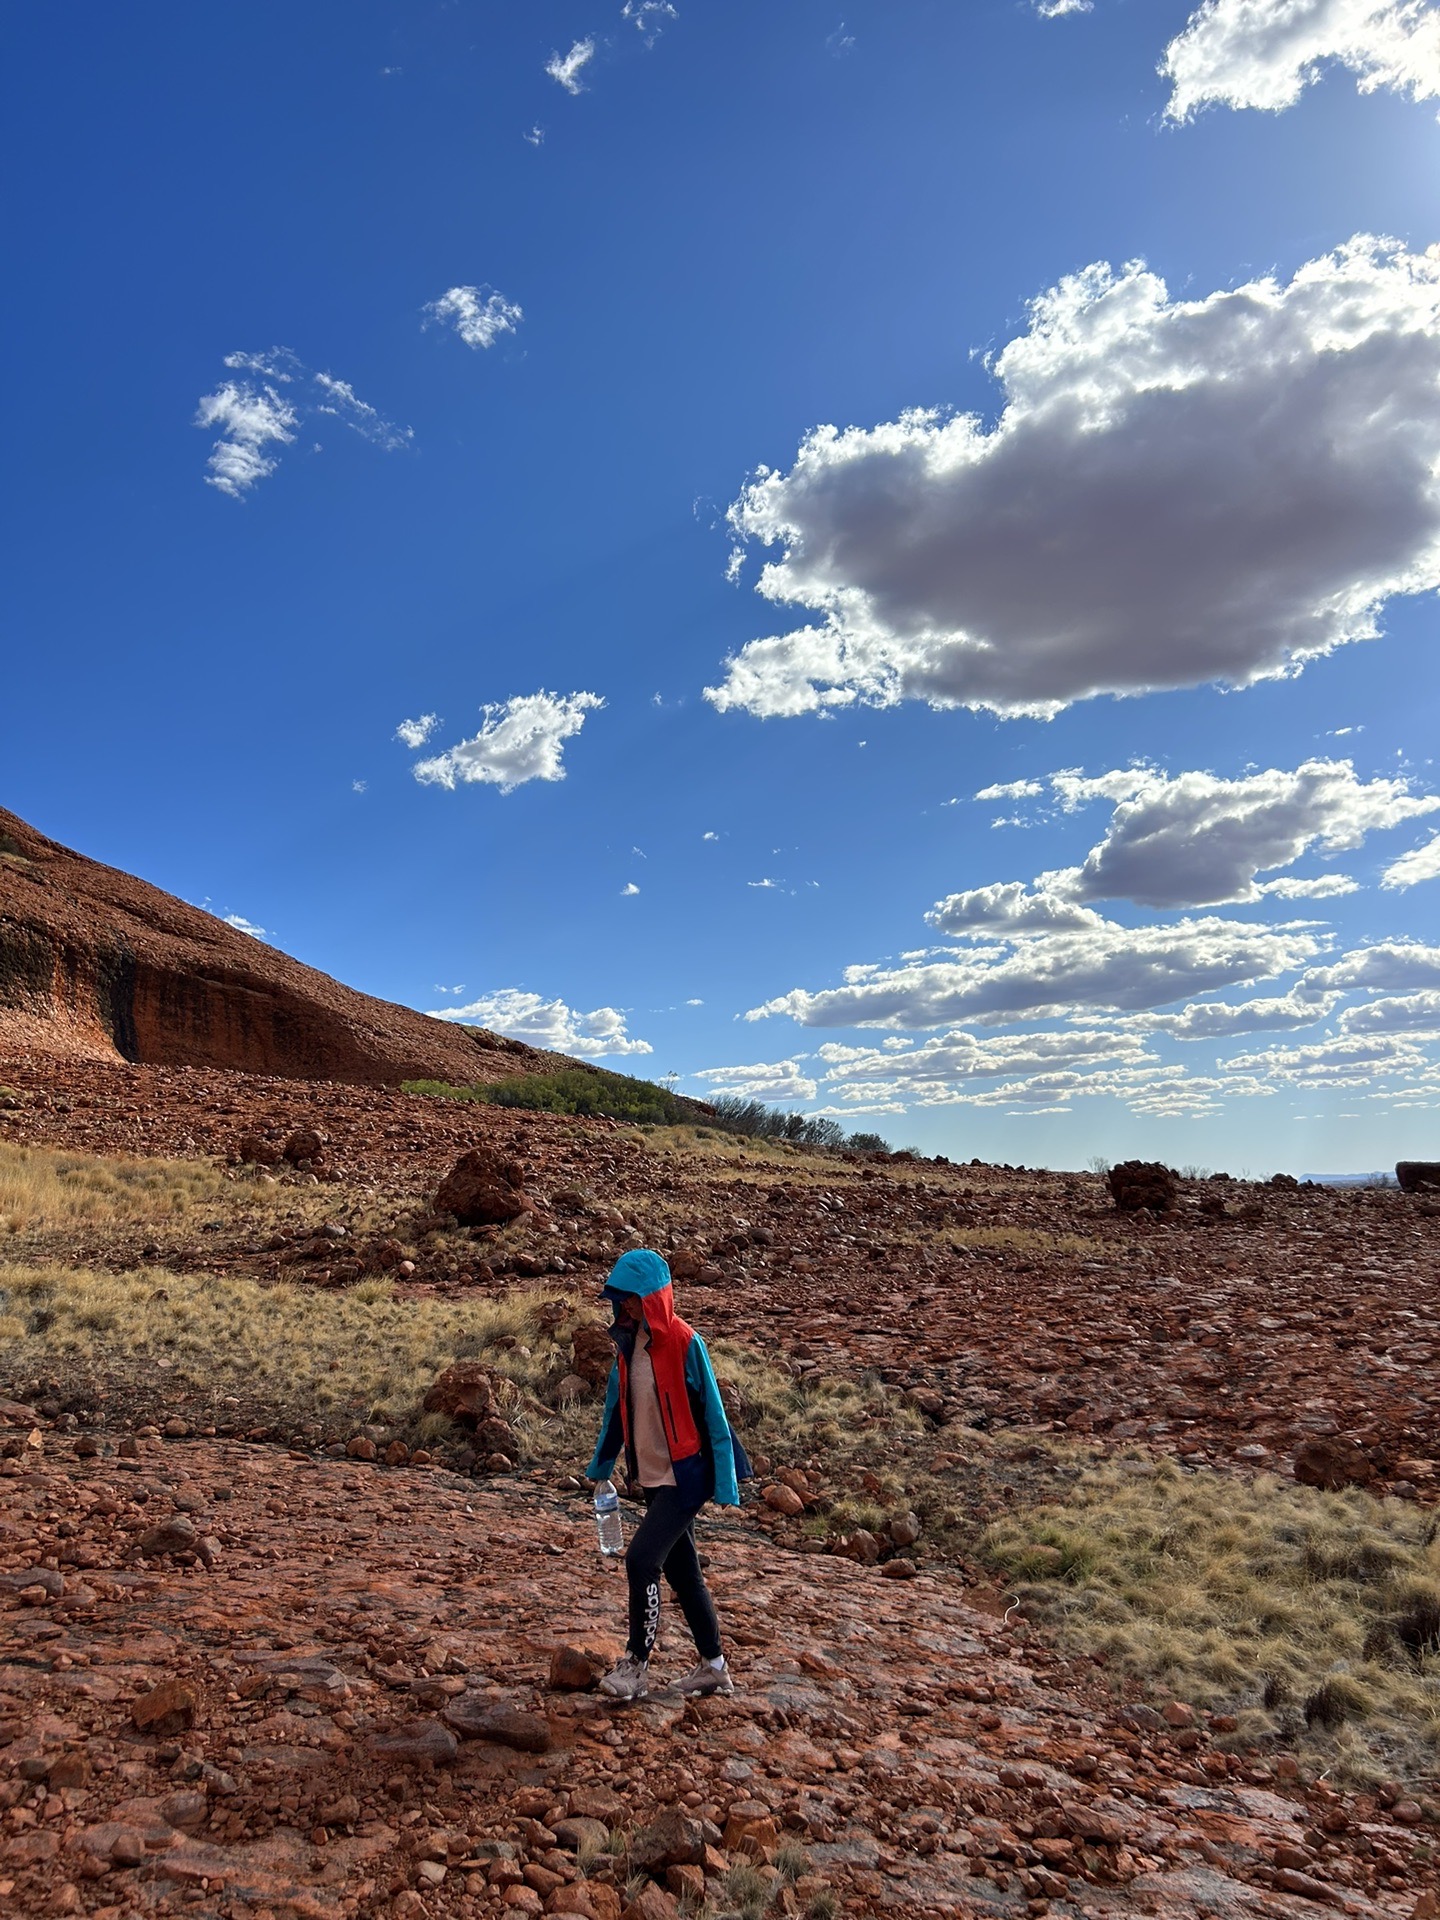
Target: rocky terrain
1244 1325
240 1677
236 1681
97 965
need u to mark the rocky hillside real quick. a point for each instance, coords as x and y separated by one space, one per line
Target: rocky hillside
95 964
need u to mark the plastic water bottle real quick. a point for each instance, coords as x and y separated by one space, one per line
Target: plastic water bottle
607 1520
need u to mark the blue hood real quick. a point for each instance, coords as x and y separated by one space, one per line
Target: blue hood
640 1271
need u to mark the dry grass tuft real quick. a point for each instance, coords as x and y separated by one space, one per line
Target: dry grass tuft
42 1190
1246 1596
315 1357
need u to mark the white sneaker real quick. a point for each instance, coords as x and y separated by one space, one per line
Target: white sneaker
707 1678
628 1681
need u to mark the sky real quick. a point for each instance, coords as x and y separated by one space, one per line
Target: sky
878 557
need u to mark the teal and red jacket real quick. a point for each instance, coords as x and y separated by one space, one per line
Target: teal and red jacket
707 1460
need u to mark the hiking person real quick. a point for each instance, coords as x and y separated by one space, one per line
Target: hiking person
664 1412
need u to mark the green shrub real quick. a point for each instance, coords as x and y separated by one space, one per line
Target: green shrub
585 1091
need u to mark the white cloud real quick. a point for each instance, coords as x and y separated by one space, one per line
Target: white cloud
1126 968
1264 53
1421 863
1176 492
242 925
1057 9
478 314
694 1003
1009 909
1406 1013
933 1073
414 733
567 67
648 16
766 883
548 1023
1009 790
1332 1063
1223 1020
254 419
535 136
1199 841
1324 886
775 1080
339 398
249 420
629 890
1387 966
521 739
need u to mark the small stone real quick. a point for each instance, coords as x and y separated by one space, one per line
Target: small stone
1291 1880
652 1903
344 1812
421 1743
572 1671
781 1499
674 1839
127 1849
577 1833
430 1873
361 1447
905 1529
899 1570
168 1708
476 1719
1408 1812
397 1454
1176 1714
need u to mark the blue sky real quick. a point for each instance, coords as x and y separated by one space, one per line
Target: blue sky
556 348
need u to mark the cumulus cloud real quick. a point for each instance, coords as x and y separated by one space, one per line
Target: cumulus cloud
1348 1062
252 420
414 733
933 1074
1199 841
1389 966
1264 53
1010 909
775 1080
548 1023
520 739
1125 968
1401 1013
1176 492
1323 886
1057 9
1223 1020
478 314
1421 863
566 68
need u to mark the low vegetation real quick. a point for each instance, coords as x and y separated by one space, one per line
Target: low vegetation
582 1091
751 1118
1301 1613
42 1190
324 1363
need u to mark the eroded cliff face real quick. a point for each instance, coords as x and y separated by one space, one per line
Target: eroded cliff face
95 964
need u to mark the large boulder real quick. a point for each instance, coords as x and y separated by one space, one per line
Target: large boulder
592 1353
1418 1176
1143 1183
465 1393
484 1189
1332 1462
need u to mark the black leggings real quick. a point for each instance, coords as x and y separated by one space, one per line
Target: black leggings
664 1542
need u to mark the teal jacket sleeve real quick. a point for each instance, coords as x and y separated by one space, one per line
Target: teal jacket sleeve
700 1379
612 1435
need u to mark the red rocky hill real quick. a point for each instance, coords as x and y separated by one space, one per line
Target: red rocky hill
95 964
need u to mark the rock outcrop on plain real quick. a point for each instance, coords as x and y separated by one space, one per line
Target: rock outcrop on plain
95 964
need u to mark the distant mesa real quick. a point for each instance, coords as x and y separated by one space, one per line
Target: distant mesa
95 964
